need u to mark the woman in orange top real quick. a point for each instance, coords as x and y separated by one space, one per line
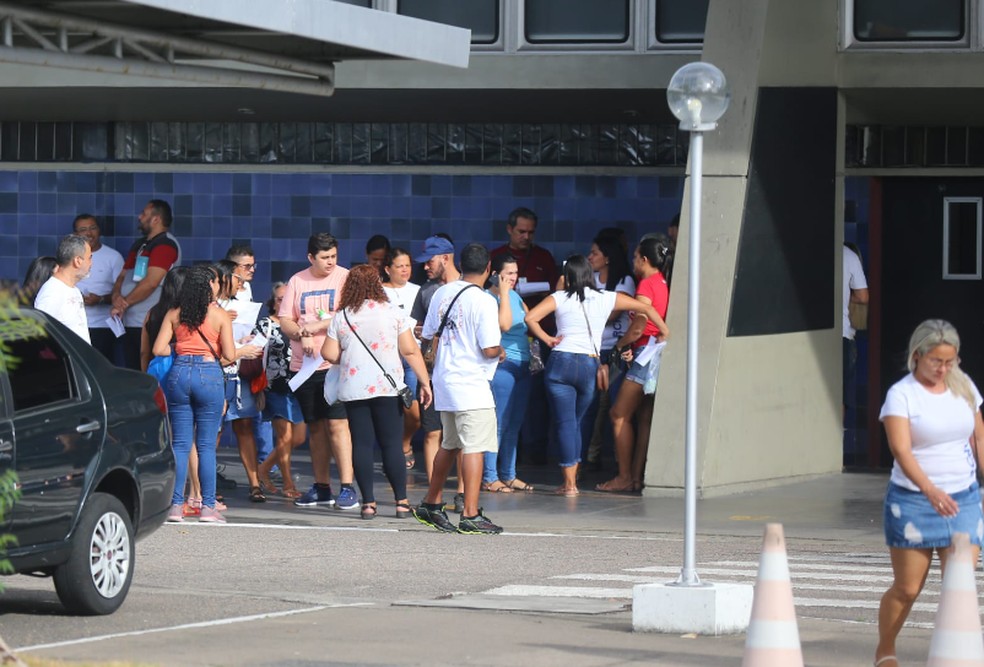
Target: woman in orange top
195 387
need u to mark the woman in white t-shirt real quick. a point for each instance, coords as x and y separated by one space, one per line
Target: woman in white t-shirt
933 422
366 338
401 292
581 312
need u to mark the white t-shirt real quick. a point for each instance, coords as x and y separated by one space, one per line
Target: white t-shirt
461 371
572 325
853 279
106 267
65 304
617 327
403 297
941 426
380 326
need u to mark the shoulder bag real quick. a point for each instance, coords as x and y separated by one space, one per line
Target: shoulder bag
430 353
406 396
601 375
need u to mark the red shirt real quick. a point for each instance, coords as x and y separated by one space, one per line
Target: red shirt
655 289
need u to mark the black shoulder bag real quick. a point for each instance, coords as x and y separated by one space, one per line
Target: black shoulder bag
406 396
430 354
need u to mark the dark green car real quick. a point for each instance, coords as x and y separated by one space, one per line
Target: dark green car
91 446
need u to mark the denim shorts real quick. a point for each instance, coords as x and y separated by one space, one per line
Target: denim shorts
912 523
282 406
637 372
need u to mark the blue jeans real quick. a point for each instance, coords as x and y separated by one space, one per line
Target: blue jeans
511 390
195 394
570 383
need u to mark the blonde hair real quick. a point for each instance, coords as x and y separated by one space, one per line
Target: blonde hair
931 334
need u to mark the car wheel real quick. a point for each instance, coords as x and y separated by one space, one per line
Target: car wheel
96 577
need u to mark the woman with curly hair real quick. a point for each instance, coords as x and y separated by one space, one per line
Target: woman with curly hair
366 338
194 387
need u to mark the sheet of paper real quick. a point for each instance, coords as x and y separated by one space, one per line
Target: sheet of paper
647 353
524 288
247 312
259 340
308 366
116 325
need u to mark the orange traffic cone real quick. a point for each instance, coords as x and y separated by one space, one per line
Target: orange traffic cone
773 637
957 640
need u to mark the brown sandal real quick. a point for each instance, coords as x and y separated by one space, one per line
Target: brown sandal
496 487
517 484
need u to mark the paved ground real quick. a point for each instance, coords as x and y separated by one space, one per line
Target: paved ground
283 586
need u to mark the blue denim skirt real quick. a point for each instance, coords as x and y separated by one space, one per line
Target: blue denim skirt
912 523
282 406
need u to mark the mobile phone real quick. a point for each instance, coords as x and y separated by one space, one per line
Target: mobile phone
494 279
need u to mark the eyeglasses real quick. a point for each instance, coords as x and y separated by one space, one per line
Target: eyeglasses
248 267
936 364
83 230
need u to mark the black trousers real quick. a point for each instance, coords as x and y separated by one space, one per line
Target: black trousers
377 420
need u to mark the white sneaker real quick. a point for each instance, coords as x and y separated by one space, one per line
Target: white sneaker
211 515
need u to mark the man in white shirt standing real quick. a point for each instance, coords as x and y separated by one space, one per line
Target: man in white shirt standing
97 287
855 289
467 355
59 297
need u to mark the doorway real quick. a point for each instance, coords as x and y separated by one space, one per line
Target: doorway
930 249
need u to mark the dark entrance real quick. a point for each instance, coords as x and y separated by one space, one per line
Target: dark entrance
917 250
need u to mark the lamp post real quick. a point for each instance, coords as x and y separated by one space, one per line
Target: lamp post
698 96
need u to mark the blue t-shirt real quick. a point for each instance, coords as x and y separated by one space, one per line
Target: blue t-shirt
516 340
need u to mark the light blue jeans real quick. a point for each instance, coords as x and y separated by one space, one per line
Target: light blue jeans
570 383
511 390
195 394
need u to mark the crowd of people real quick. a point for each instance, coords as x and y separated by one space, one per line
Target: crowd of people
349 360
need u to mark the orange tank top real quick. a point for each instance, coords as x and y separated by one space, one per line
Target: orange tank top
190 343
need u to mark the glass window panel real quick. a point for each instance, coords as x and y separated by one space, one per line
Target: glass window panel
962 238
42 375
572 21
909 20
479 16
358 3
681 20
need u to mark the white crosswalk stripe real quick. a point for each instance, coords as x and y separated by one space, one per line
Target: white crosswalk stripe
841 587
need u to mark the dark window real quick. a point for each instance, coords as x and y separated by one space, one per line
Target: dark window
479 16
962 238
357 3
680 20
41 374
577 21
909 20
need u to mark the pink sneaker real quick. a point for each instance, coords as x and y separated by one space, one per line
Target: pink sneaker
176 515
211 515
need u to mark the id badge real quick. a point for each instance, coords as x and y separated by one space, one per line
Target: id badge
140 268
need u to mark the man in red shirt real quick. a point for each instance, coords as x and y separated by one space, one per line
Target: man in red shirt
536 264
138 287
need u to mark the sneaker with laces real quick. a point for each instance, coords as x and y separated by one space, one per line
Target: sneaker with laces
347 500
459 503
176 515
478 525
435 518
211 515
315 496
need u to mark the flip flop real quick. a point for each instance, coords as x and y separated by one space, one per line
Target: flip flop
608 487
492 488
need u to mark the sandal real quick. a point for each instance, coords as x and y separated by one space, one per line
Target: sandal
496 487
403 510
256 495
409 459
611 487
292 493
368 511
268 487
883 660
566 492
517 484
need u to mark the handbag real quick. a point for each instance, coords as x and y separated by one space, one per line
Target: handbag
159 367
430 349
601 375
250 369
406 396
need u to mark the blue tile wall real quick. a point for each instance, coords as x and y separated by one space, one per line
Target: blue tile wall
276 212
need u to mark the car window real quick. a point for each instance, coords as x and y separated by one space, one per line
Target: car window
41 375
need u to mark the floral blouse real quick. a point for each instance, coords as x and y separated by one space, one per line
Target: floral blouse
379 324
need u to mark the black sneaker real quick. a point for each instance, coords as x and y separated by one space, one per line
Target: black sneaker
459 503
434 518
478 525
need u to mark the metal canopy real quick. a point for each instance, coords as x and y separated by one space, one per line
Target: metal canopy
279 45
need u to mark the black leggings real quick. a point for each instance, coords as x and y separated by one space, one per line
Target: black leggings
377 420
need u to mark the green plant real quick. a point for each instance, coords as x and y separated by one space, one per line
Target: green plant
9 493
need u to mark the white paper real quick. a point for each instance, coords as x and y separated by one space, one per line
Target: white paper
647 353
116 325
259 340
308 366
525 288
247 312
331 385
